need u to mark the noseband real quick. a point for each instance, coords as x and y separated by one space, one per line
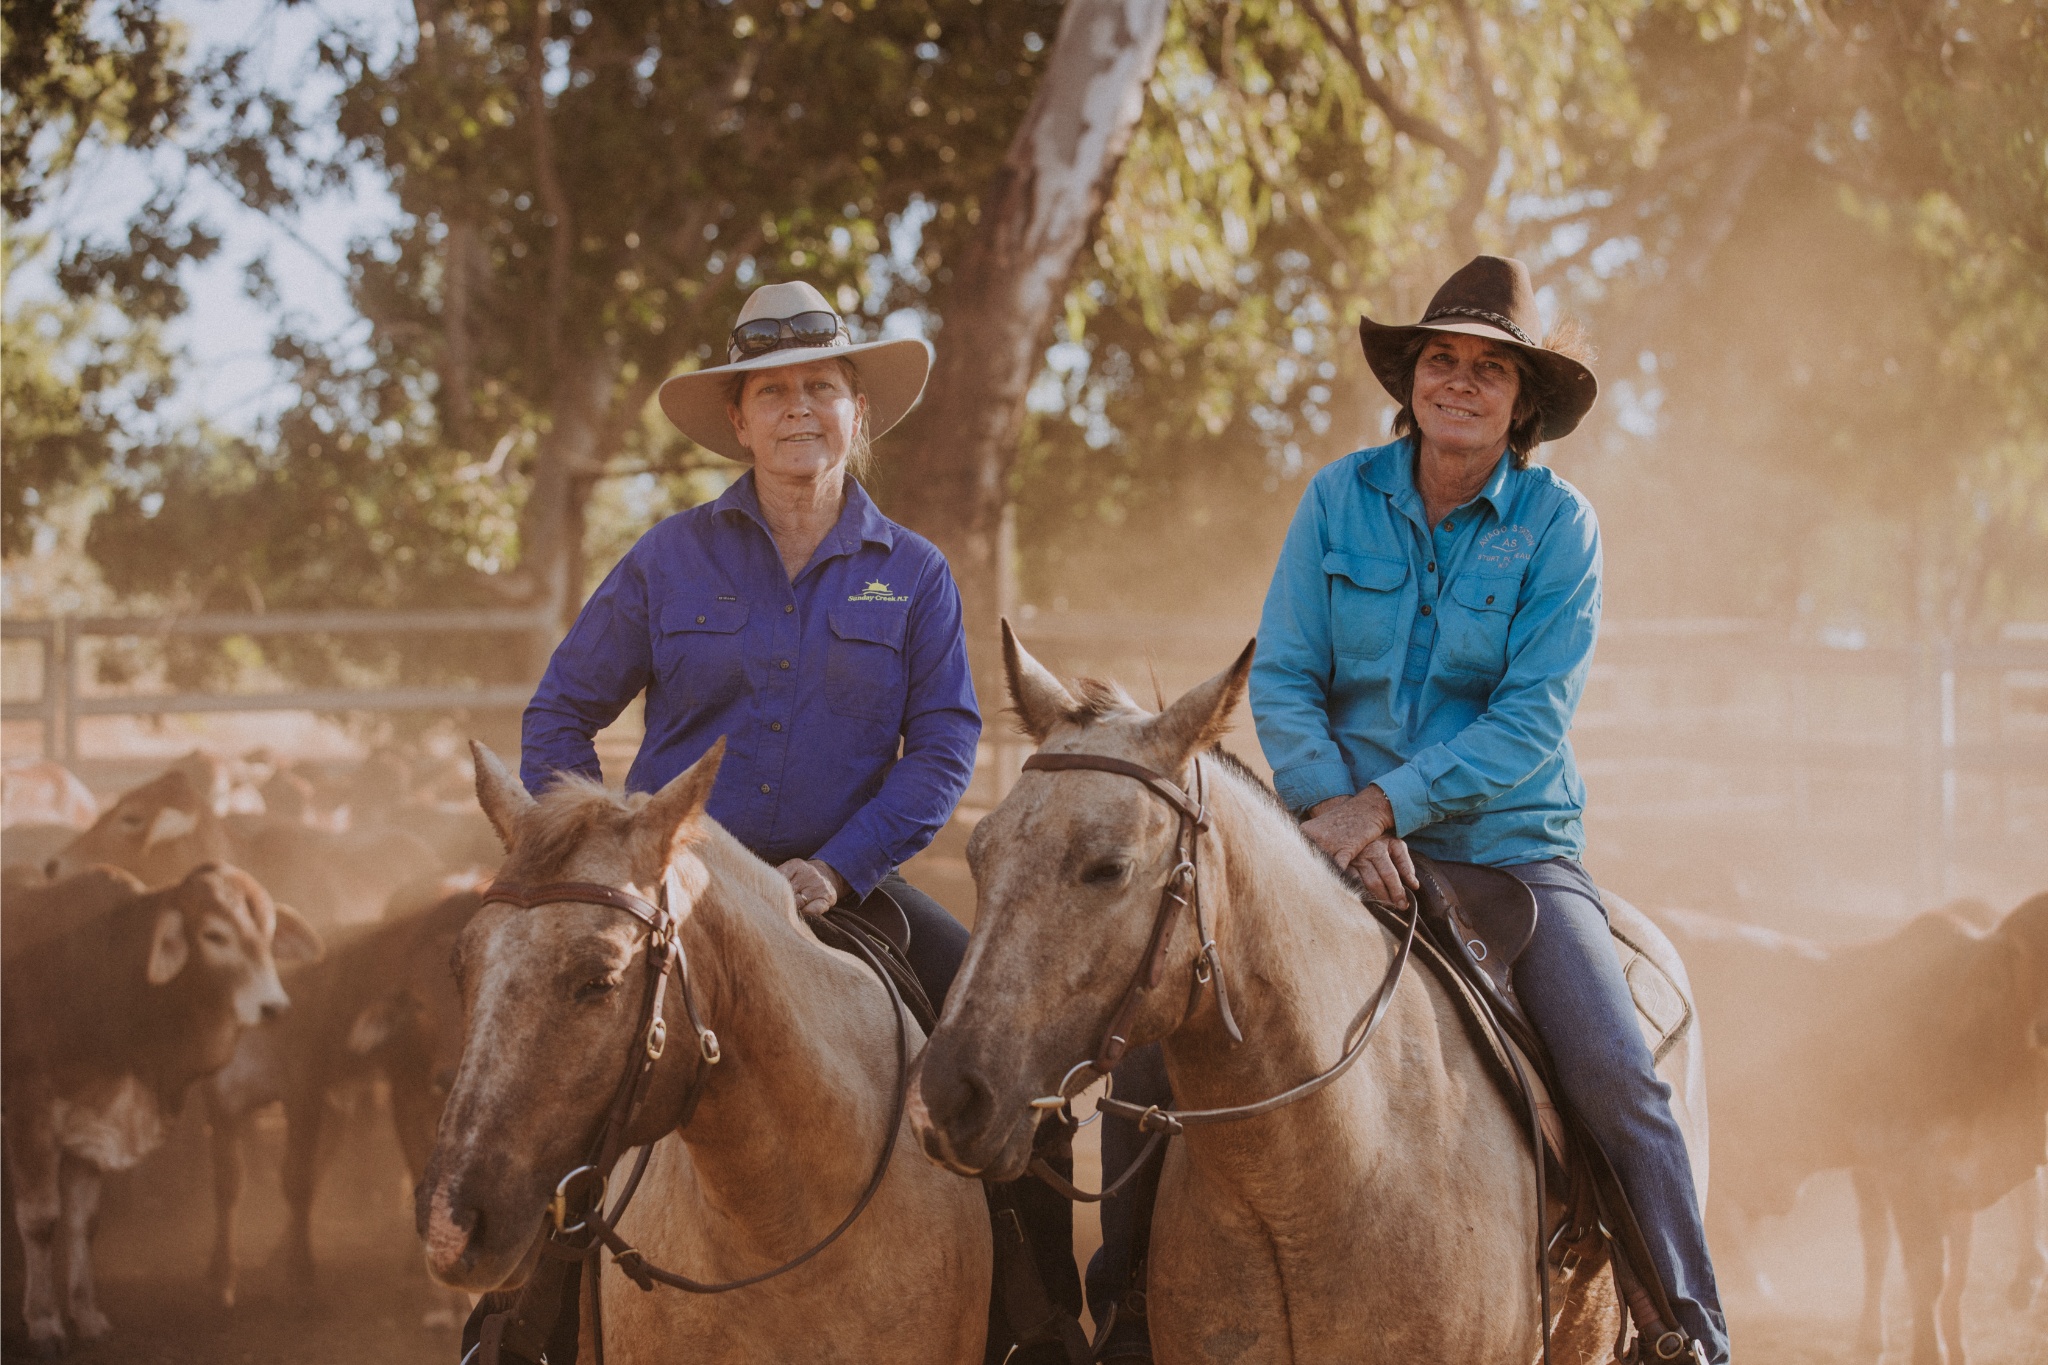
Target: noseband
581 1226
1184 887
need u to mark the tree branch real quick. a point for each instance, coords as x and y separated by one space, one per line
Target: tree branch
553 201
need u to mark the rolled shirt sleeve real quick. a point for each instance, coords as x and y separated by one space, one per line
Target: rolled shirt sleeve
941 728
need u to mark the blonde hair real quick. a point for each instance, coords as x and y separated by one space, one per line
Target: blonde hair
860 459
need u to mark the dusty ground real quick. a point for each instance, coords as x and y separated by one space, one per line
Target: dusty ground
371 1298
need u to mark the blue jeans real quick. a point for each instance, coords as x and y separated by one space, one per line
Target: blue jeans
1576 996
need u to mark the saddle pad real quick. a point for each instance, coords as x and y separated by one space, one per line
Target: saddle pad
1662 1011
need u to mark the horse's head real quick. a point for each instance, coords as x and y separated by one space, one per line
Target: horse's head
1069 872
553 996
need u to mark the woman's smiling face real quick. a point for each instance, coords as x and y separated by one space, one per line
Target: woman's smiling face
798 420
1464 393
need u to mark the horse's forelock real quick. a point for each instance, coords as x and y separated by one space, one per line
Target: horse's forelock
565 818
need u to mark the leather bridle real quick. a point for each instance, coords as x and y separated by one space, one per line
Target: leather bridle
581 1225
1184 888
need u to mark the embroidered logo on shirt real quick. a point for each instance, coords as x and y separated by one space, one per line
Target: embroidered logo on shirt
876 592
1504 547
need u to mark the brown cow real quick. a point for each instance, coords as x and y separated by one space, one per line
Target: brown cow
107 1021
1906 1060
380 1003
166 827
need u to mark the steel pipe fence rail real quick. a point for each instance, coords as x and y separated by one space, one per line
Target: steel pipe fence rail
60 703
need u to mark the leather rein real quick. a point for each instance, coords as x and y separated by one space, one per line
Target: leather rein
581 1225
1183 888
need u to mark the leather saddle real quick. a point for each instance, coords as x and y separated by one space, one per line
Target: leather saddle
1479 920
879 922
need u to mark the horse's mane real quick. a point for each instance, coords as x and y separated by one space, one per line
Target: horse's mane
1100 699
1263 790
576 808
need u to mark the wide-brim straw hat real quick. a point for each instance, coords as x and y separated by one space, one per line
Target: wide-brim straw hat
1490 297
892 373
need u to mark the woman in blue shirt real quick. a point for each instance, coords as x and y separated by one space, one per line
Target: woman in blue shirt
1424 644
821 639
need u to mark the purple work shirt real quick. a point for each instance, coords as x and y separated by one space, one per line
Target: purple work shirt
844 697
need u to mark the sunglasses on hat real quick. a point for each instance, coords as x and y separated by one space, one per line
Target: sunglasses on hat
763 335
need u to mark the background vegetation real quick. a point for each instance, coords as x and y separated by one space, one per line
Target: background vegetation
1810 237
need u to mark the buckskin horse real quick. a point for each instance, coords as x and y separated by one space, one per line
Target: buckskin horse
763 1075
1386 1217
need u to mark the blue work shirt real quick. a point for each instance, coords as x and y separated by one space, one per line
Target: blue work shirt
814 684
1443 665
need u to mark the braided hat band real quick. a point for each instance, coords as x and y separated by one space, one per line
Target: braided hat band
1492 297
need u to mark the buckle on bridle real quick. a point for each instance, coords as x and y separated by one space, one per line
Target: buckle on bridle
657 1038
568 1186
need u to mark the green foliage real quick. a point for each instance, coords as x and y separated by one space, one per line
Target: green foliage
67 87
1810 242
588 194
1812 239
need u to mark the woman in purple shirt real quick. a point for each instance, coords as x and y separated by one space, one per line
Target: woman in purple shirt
821 639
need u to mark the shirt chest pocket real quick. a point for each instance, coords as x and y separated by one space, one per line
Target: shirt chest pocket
699 654
1474 638
1365 602
865 675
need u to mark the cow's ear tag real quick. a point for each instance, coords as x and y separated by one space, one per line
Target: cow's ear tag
168 947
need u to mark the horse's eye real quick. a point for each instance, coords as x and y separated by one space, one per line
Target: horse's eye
597 988
1105 874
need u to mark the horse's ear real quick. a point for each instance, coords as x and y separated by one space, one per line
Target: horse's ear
672 816
1035 694
1202 717
499 793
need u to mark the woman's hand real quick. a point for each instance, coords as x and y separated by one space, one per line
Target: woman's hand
1343 825
817 885
1386 870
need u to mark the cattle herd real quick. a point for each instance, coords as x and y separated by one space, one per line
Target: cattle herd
252 935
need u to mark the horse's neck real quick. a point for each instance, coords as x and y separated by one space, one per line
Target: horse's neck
1300 956
804 1084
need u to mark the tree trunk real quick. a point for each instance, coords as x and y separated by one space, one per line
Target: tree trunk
950 480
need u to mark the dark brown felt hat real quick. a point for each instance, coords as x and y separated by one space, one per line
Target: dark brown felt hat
1489 297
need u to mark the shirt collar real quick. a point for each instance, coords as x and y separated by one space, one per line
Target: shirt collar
1391 469
859 520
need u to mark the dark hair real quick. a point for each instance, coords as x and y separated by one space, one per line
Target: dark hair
861 457
1534 396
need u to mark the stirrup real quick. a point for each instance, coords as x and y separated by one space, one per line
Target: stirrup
1671 1347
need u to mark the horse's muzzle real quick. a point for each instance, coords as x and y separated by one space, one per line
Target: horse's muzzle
963 1127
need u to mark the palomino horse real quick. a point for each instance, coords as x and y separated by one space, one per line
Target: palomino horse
1386 1218
787 1125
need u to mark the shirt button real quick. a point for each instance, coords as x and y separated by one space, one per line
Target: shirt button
1432 566
1489 599
1425 608
775 725
1450 525
784 664
789 607
764 789
700 620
